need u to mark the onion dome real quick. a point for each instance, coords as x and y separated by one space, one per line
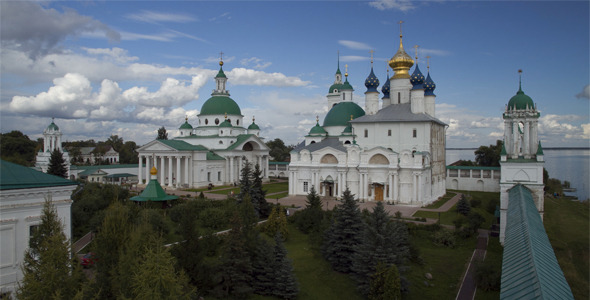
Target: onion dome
52 126
429 86
386 87
218 105
339 114
317 129
186 125
520 101
253 126
346 85
225 123
417 79
335 88
372 82
401 62
154 171
348 129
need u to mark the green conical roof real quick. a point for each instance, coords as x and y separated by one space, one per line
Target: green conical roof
225 123
503 151
153 192
539 149
52 126
220 73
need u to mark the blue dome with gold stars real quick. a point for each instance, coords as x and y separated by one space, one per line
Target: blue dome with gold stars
417 78
386 88
372 82
429 86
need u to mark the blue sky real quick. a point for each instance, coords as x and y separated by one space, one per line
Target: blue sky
128 68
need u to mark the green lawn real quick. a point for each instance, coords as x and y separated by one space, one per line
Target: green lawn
316 278
280 195
447 217
567 225
270 188
204 189
445 264
443 200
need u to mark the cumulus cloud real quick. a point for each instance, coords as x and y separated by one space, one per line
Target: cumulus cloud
160 17
242 76
354 45
37 31
402 5
585 93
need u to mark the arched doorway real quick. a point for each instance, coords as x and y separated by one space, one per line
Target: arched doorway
378 191
329 186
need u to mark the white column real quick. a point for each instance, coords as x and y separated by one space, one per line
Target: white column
515 139
390 179
147 169
178 172
240 158
395 187
186 161
162 170
265 166
414 187
526 142
139 172
231 169
418 189
191 174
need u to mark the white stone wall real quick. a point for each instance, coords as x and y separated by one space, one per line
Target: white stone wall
19 210
473 180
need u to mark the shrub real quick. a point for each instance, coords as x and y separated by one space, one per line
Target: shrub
444 237
487 276
463 206
475 202
398 214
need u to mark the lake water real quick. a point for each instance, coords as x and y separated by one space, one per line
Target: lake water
570 165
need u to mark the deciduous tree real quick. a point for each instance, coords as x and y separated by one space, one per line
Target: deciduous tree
489 155
162 134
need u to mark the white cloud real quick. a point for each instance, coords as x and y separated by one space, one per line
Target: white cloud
351 58
225 15
158 17
585 93
255 62
37 31
354 45
242 76
118 55
402 5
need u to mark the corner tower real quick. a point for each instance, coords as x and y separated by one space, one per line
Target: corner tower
521 159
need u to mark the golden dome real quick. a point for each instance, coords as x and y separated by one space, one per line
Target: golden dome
401 62
154 171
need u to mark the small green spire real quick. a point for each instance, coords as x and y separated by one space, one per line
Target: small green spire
539 149
503 151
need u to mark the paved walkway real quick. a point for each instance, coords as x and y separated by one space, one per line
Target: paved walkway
469 286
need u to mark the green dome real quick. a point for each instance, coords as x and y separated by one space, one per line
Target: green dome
52 126
347 130
253 126
317 129
225 123
346 85
186 125
221 73
220 105
521 101
336 87
340 114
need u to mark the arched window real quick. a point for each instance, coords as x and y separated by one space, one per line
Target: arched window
347 143
329 159
366 132
206 121
378 159
312 142
238 122
216 121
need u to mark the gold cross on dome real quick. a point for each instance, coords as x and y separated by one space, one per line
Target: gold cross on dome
371 56
220 55
346 70
428 62
400 27
317 119
416 48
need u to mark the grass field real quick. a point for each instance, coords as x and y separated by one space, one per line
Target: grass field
316 278
493 255
445 264
567 225
270 188
443 200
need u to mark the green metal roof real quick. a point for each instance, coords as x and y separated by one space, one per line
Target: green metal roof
120 175
182 145
539 149
317 129
225 123
520 101
278 162
153 192
213 156
13 176
503 152
186 125
221 73
253 126
339 115
239 139
529 267
220 105
52 126
335 86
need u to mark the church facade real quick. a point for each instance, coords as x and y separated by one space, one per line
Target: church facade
213 152
521 159
392 150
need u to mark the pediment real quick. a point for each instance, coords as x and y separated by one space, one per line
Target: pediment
155 146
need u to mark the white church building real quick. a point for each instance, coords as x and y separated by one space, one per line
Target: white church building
51 141
392 150
213 152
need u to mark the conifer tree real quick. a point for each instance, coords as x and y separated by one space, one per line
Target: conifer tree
344 234
47 259
310 219
286 286
263 279
57 164
258 194
384 242
155 277
385 284
463 206
276 222
245 181
236 265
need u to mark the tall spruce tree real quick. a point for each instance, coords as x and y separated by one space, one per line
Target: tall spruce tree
384 242
463 206
236 265
245 182
276 223
258 194
57 164
286 286
263 279
49 270
344 234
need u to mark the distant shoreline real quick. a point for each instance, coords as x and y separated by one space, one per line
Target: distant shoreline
544 148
